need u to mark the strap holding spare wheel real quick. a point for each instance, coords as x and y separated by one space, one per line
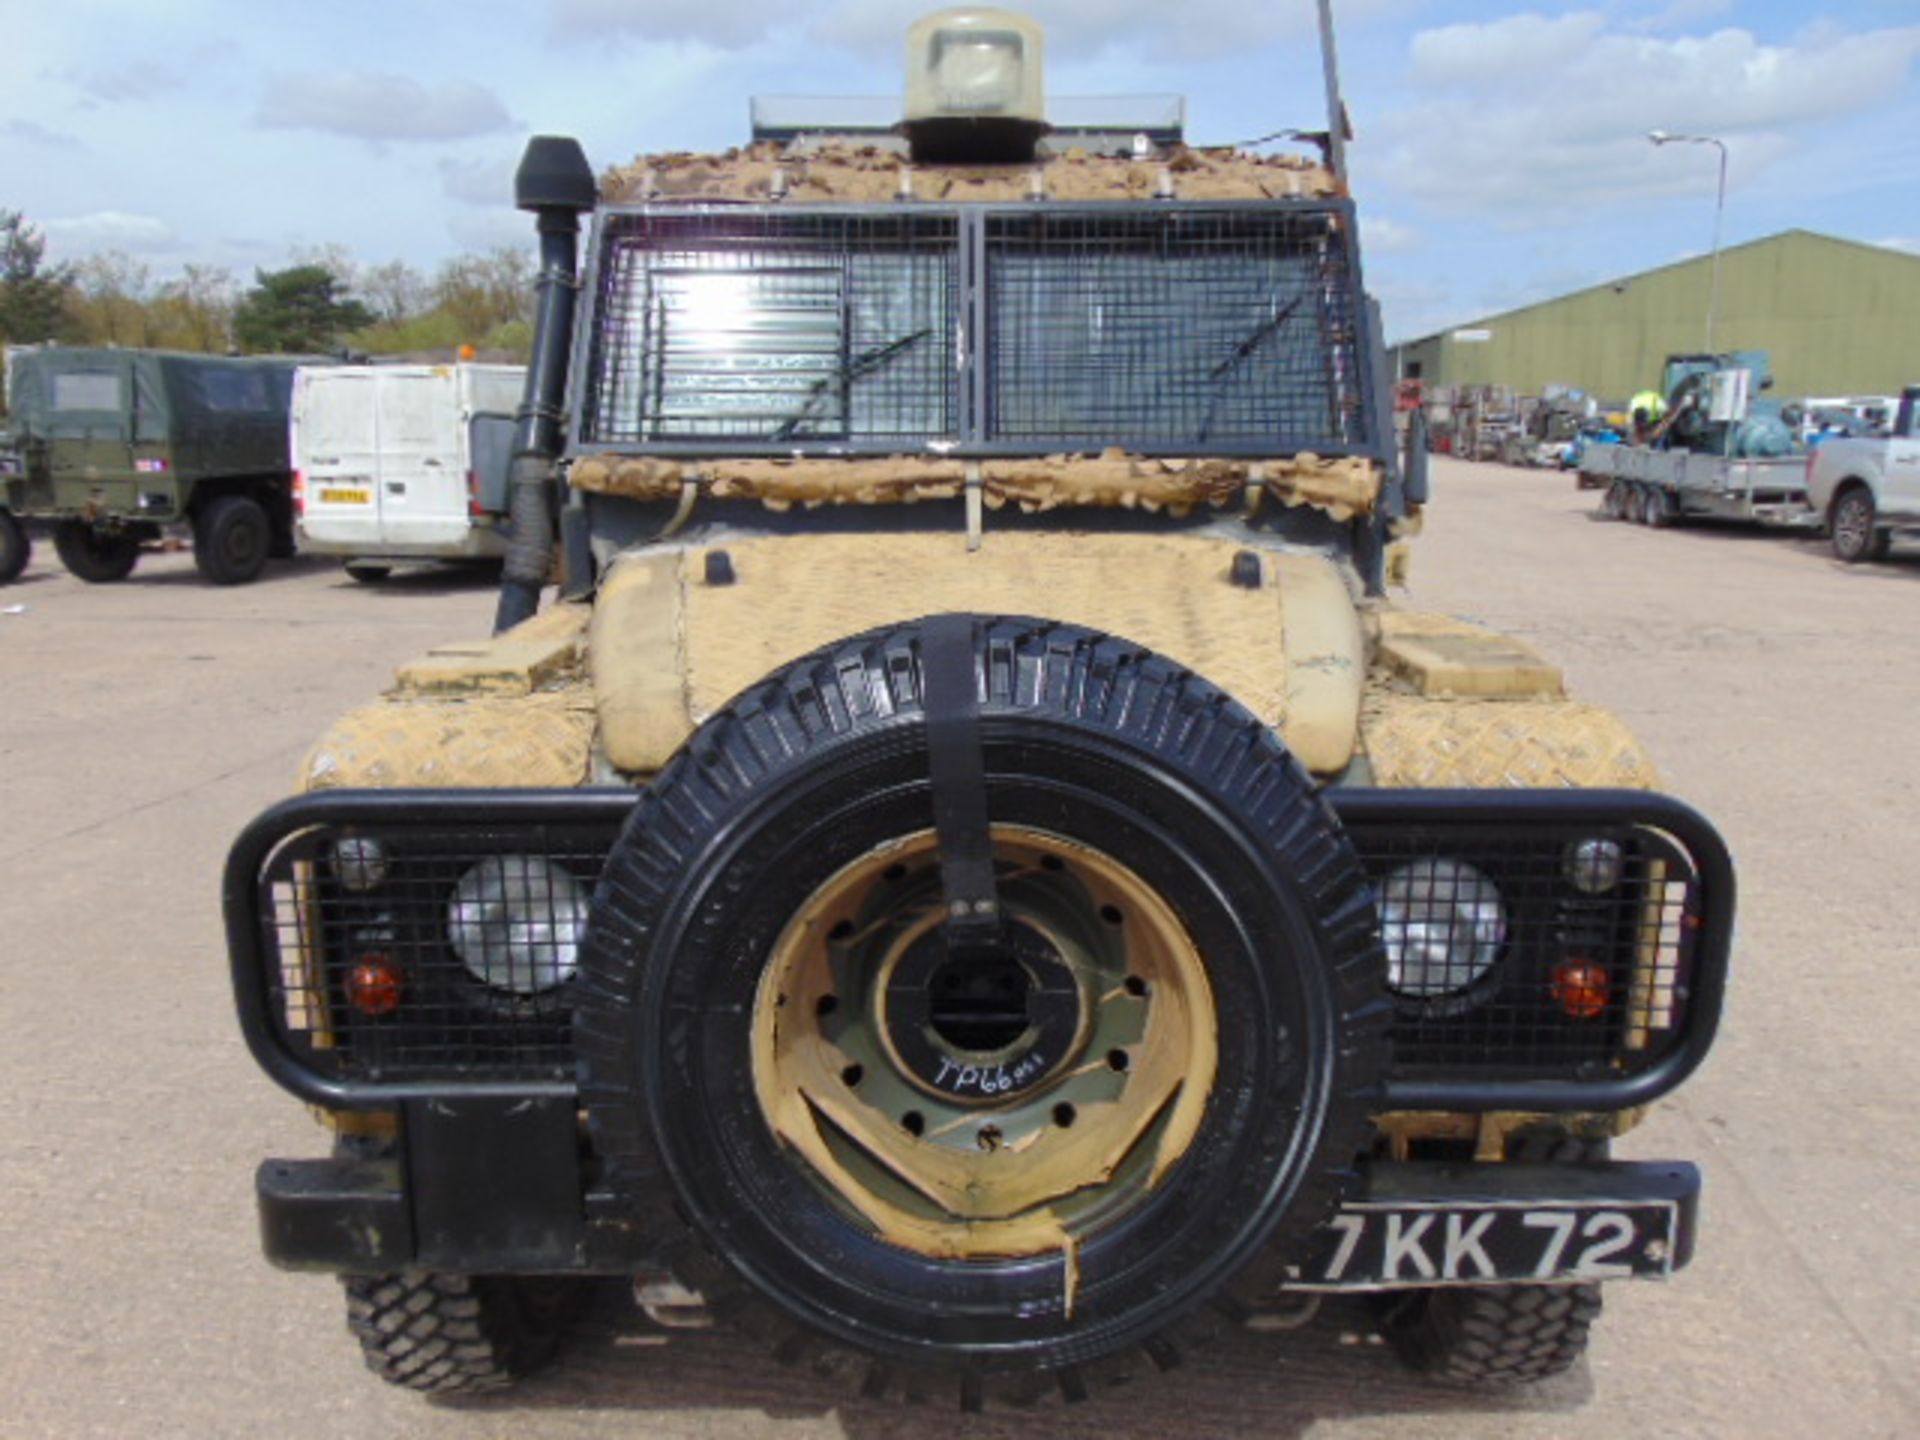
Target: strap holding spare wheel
959 774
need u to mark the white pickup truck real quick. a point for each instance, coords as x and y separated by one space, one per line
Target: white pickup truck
1869 490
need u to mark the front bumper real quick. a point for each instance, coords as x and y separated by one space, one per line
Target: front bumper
1409 1224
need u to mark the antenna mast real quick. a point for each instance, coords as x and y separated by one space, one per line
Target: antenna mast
1336 107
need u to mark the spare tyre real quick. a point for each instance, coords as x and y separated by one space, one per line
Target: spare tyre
999 1169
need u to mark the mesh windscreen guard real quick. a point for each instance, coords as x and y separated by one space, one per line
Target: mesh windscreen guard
751 328
1189 328
1172 329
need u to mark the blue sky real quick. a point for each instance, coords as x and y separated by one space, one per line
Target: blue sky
1500 158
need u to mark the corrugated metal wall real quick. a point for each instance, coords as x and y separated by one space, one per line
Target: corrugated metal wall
1839 318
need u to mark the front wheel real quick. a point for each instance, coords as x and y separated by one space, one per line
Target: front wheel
99 557
1855 536
231 540
1496 1335
16 548
457 1334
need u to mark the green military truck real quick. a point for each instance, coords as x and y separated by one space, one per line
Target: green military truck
15 548
110 447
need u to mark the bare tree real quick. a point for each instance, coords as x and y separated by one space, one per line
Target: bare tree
484 292
194 311
395 292
113 293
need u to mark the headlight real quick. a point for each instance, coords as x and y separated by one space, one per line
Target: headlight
515 923
1443 925
359 863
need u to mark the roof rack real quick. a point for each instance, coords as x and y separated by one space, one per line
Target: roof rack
1074 119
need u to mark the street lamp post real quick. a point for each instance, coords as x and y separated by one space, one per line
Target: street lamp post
1661 137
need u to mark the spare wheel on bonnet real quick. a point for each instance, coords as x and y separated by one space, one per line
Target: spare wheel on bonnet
992 1125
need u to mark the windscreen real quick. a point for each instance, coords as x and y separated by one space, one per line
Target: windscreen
775 329
1192 328
1176 329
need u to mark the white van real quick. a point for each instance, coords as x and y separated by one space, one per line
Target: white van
402 462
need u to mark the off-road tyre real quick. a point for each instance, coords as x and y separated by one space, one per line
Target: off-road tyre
1494 1335
1507 1334
96 556
232 540
1856 538
457 1334
367 574
1633 503
1613 503
1093 738
1659 510
16 548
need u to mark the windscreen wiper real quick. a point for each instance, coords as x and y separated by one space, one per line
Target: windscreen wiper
1264 332
855 370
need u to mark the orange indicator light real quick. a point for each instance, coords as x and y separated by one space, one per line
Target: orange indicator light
373 985
1581 987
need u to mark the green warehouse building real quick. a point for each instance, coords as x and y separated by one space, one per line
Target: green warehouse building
1839 318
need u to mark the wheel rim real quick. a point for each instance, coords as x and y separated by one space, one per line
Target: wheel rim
1851 524
995 1104
242 546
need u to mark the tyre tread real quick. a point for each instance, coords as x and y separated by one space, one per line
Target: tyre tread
1498 1335
443 1334
1058 672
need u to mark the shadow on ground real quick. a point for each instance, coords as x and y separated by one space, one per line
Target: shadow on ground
423 578
1902 561
277 572
1273 1385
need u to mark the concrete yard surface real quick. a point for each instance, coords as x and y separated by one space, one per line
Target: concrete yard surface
144 724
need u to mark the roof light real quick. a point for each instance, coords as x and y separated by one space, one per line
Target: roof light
975 63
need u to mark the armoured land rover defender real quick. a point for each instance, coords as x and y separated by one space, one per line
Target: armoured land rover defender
971 881
110 447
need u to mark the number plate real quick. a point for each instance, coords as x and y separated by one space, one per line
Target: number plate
1384 1246
346 497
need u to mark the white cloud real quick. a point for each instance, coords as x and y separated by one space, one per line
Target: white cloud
479 182
491 229
1530 118
140 81
1412 308
111 230
1909 243
1382 236
381 107
33 133
1681 13
727 24
1199 28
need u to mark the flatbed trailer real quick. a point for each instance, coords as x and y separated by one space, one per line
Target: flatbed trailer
1660 487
